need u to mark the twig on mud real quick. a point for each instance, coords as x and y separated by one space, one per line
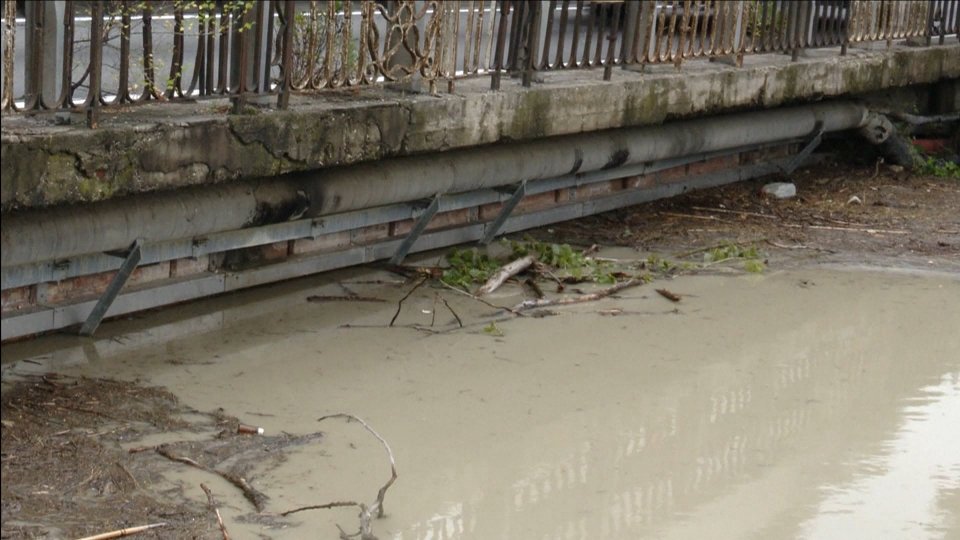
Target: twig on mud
334 504
455 316
136 484
505 272
400 303
256 498
851 229
544 271
537 291
545 302
671 296
213 506
477 298
366 513
378 505
694 216
798 246
736 212
120 533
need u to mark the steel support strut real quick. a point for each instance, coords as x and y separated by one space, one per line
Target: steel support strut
130 262
417 230
505 212
812 143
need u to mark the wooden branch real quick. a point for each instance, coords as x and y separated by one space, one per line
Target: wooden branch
377 506
334 504
736 212
851 229
119 533
673 297
505 272
455 316
477 298
213 506
545 302
400 303
256 498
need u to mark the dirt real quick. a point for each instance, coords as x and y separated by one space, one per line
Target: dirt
93 454
71 456
897 218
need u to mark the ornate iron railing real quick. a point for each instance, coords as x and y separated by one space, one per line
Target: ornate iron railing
72 55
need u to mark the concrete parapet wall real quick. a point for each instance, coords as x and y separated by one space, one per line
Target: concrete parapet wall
167 146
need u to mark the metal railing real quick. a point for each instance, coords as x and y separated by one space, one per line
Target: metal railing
71 55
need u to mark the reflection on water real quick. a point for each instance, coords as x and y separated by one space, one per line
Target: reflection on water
761 410
920 464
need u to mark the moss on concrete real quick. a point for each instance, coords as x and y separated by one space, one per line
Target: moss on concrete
43 164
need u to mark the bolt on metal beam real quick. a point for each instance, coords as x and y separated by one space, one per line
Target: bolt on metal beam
519 193
123 274
417 230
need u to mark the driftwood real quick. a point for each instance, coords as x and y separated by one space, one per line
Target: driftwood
589 297
367 513
673 297
120 533
455 316
256 498
505 272
400 303
213 506
477 298
736 212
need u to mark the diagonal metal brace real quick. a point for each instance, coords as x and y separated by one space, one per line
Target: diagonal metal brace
130 262
808 149
505 212
417 230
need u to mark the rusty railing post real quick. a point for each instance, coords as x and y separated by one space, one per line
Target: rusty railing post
847 20
501 42
96 63
530 24
612 40
286 56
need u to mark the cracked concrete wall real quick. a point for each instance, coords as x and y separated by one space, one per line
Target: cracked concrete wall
167 146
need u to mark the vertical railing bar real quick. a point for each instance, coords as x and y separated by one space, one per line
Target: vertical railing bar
258 48
544 63
93 102
501 29
65 99
286 62
575 38
123 82
176 62
7 101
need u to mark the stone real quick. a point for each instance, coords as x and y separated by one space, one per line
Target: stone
780 190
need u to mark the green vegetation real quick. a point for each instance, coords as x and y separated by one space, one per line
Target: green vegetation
752 258
467 267
938 167
566 259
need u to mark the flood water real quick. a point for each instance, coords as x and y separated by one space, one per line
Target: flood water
805 404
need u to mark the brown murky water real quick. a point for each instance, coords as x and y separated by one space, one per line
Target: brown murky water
804 404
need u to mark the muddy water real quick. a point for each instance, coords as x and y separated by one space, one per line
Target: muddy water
803 404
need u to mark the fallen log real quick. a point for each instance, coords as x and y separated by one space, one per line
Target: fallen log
505 272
